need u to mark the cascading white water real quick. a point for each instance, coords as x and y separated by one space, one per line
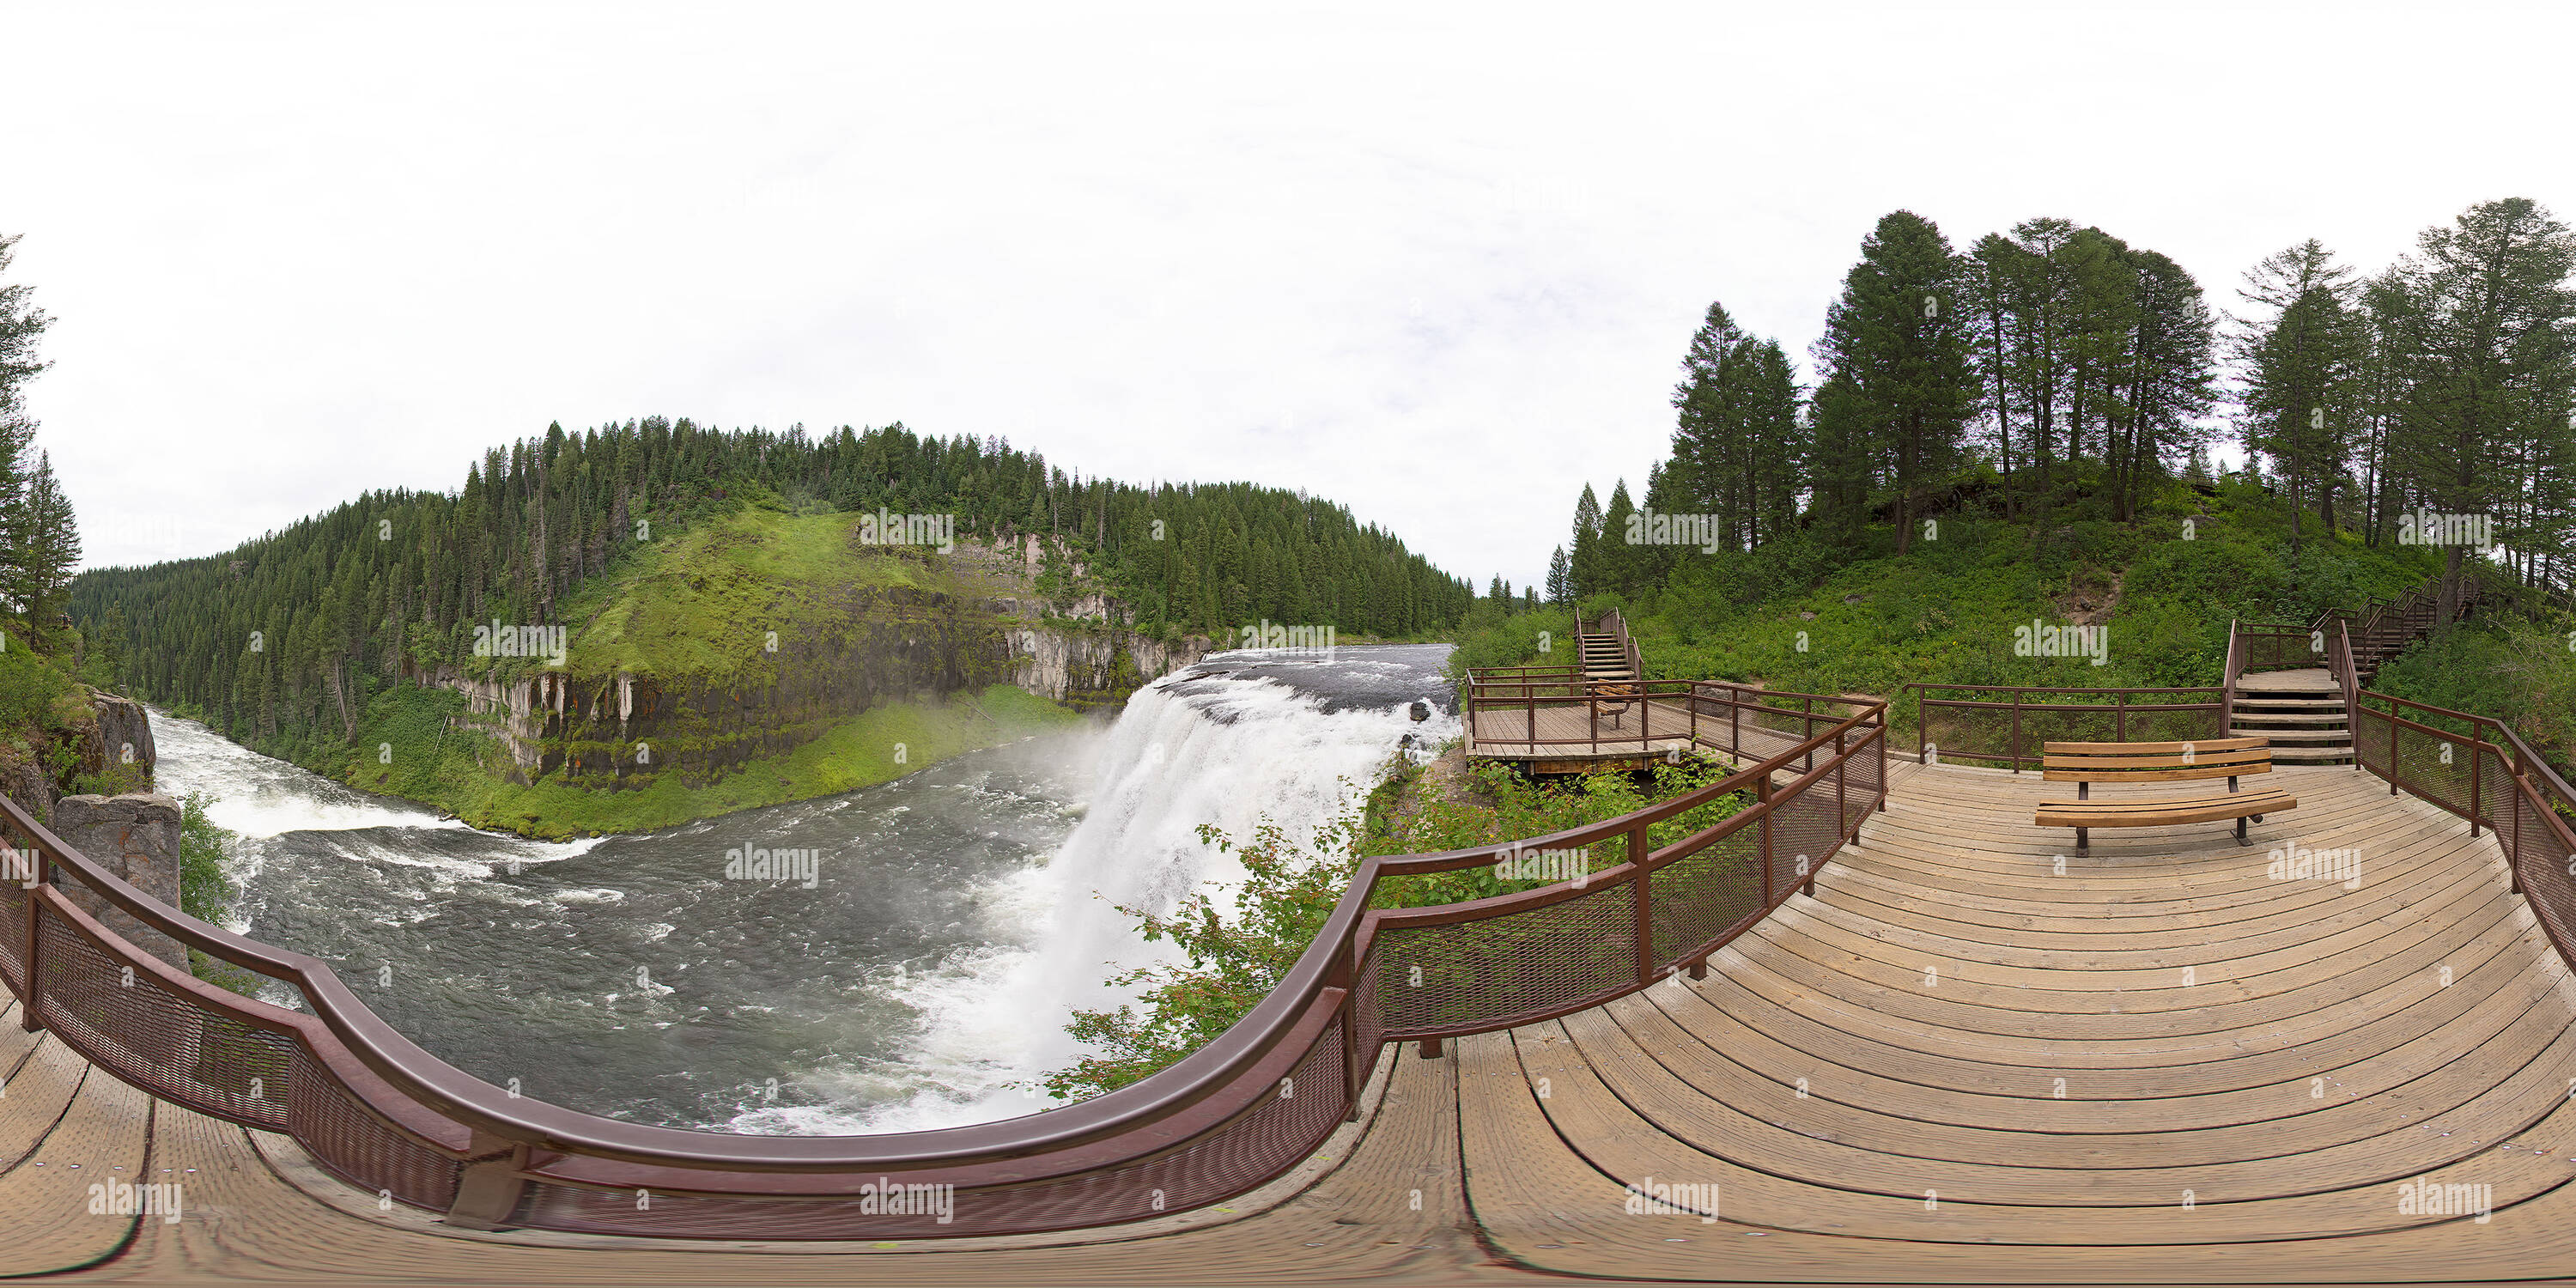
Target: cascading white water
1238 739
961 917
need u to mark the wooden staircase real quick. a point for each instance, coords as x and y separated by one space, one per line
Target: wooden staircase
2302 712
1607 654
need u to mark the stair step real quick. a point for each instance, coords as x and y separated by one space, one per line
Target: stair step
2285 718
2312 756
2259 699
2281 736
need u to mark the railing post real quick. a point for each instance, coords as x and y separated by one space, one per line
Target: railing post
1346 976
31 963
2513 861
2016 733
2120 718
1762 791
1735 719
2477 752
2392 751
1645 907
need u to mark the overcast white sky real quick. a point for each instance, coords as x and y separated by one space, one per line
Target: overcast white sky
1437 264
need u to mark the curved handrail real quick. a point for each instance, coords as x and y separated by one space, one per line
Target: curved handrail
998 1152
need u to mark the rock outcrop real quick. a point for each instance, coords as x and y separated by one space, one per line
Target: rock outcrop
135 836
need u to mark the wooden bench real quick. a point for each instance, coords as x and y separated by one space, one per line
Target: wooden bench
1615 697
2087 763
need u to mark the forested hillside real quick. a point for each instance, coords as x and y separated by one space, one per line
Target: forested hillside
2023 429
289 635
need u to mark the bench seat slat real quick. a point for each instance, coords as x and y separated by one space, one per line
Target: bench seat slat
2152 748
2158 774
2203 809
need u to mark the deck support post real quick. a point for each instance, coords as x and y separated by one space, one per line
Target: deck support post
488 1191
1430 1048
1699 969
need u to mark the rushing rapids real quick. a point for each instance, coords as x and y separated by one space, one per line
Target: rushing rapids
902 956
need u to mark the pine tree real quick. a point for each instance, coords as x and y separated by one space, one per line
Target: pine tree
2298 371
1584 572
1560 587
1897 343
21 325
2491 349
51 552
1618 555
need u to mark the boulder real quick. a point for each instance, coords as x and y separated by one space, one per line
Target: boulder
136 837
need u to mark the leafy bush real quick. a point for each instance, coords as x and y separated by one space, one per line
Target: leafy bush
1231 963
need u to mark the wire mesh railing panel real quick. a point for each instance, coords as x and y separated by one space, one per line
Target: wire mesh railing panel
1535 962
2495 790
2434 767
1989 728
360 1148
1804 833
126 1021
2370 741
2545 865
1705 896
1282 1127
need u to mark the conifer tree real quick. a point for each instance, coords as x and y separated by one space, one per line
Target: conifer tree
1896 344
2299 362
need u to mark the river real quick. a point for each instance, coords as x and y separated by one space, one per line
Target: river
910 962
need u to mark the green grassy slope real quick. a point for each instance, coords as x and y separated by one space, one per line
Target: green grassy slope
695 611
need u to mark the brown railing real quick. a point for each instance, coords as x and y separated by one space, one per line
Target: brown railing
2481 770
1557 709
389 1117
2270 646
2013 727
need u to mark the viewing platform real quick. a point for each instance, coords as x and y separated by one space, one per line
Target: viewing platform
1940 1046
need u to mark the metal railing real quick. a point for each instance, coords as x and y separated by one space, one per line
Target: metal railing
1558 709
389 1117
2480 769
2013 728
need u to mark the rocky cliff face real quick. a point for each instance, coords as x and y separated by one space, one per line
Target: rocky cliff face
621 730
1094 669
113 740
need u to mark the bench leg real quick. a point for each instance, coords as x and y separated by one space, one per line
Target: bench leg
2083 837
2240 833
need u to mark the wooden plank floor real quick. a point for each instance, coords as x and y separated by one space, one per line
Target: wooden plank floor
1961 1062
1569 732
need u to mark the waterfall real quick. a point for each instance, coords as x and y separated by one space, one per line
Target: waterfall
1238 738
